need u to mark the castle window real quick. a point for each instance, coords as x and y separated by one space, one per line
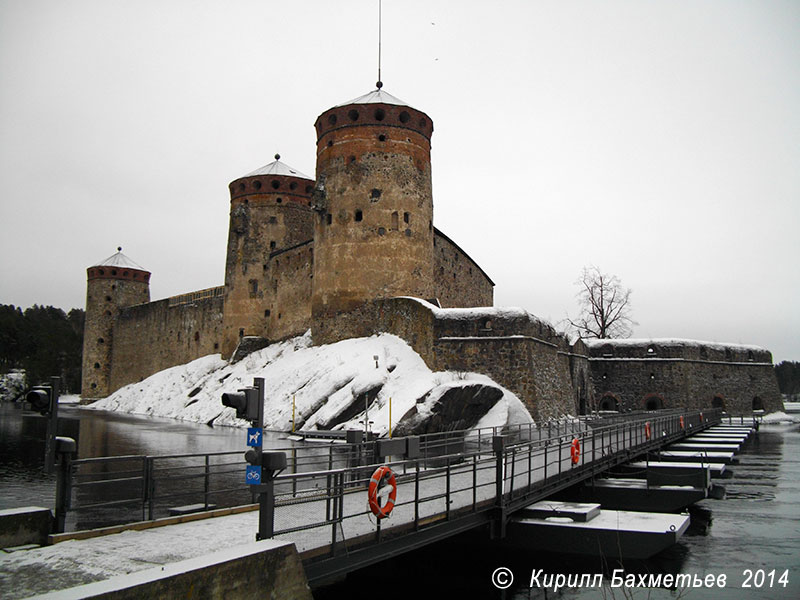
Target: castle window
279 200
395 221
94 385
332 119
750 356
279 315
253 283
380 114
329 218
404 117
241 332
406 217
293 185
352 114
257 184
375 194
216 345
423 122
124 273
275 184
114 272
381 231
108 298
309 189
271 247
101 341
241 187
651 351
196 336
265 267
359 215
351 159
382 137
96 365
330 143
266 313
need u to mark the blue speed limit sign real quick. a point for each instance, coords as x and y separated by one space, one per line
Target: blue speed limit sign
253 474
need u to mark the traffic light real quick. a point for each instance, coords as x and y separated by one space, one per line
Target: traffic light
40 399
245 401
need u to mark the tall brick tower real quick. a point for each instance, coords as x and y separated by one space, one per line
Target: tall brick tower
373 232
270 212
112 284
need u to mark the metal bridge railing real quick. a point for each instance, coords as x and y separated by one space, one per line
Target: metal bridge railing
456 470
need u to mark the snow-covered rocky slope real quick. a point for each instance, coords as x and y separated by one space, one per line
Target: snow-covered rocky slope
330 386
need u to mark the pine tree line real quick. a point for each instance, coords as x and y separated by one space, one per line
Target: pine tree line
788 374
43 341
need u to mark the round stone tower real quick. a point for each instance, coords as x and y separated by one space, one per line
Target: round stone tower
111 285
373 233
270 212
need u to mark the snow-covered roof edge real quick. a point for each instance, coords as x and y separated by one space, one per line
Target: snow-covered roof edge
643 342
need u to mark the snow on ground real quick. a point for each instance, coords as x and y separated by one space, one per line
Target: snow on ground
323 380
780 417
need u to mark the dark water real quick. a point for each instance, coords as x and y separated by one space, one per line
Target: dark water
754 532
98 433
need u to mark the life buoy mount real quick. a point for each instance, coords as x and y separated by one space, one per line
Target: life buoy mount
575 451
382 485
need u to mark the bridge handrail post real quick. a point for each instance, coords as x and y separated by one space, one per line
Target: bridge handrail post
206 481
498 446
416 496
447 492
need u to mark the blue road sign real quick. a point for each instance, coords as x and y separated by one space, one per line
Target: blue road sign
253 474
254 436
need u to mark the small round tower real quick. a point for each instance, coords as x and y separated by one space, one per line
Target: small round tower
111 285
373 233
270 212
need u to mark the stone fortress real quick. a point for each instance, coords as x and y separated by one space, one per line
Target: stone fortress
353 252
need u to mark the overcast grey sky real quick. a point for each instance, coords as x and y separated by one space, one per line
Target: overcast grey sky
659 140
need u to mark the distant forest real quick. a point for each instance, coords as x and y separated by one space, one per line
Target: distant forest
46 341
788 374
43 341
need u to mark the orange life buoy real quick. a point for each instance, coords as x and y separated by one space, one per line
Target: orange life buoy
575 451
683 425
381 478
647 430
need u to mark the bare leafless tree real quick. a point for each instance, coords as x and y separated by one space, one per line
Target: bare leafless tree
604 305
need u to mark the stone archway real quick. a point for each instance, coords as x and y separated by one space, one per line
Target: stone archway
653 402
758 404
718 402
609 402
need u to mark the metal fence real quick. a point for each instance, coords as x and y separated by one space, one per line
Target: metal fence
455 469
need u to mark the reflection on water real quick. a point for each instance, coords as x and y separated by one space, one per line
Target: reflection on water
97 433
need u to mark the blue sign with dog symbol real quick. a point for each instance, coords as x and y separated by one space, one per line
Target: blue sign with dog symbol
254 437
253 475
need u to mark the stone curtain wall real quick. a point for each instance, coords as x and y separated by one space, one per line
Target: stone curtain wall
683 374
518 351
458 280
155 336
290 274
